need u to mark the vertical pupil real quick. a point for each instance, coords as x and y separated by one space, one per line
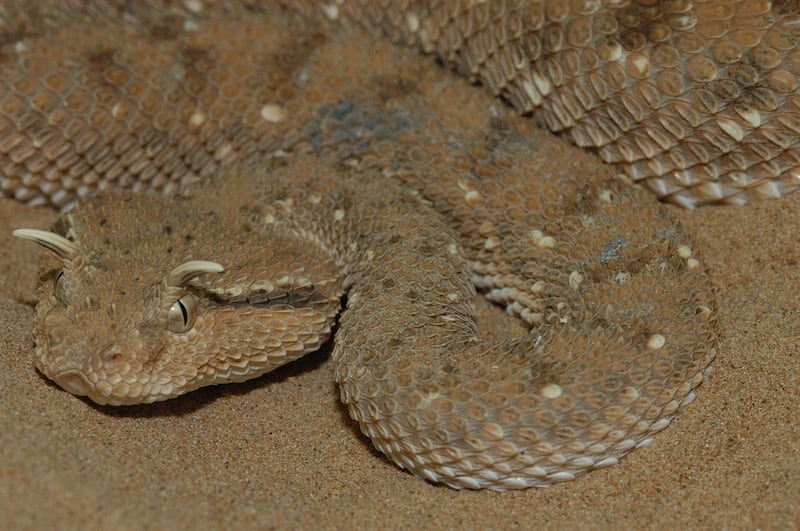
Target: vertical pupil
184 313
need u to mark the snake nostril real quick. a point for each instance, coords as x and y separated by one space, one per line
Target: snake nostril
111 353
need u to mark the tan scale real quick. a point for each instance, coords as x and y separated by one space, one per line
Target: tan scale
311 169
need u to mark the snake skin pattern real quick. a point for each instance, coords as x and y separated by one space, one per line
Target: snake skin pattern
295 197
696 99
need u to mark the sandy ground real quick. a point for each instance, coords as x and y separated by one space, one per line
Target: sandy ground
281 452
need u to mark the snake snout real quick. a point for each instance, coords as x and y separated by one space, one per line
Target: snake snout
73 381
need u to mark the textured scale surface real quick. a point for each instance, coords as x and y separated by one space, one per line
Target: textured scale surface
342 193
698 100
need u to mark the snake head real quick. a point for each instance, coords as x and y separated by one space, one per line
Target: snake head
132 317
90 348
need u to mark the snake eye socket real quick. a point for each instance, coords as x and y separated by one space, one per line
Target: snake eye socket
182 314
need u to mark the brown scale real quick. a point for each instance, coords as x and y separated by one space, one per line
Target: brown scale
406 206
151 102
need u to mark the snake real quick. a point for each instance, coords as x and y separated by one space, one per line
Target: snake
240 201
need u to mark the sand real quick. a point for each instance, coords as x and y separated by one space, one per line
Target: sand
281 451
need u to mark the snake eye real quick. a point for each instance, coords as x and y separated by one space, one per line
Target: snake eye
58 287
182 314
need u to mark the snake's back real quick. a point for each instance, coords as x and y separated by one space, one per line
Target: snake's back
696 99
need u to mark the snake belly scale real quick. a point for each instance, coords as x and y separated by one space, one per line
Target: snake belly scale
291 190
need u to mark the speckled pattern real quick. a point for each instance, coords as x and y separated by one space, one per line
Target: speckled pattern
371 192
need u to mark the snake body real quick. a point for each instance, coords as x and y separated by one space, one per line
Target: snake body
695 99
373 193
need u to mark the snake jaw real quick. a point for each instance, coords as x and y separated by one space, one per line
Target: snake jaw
88 372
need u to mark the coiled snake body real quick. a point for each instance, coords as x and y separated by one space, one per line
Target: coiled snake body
374 193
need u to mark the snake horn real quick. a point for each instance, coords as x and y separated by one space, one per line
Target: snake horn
188 270
64 248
